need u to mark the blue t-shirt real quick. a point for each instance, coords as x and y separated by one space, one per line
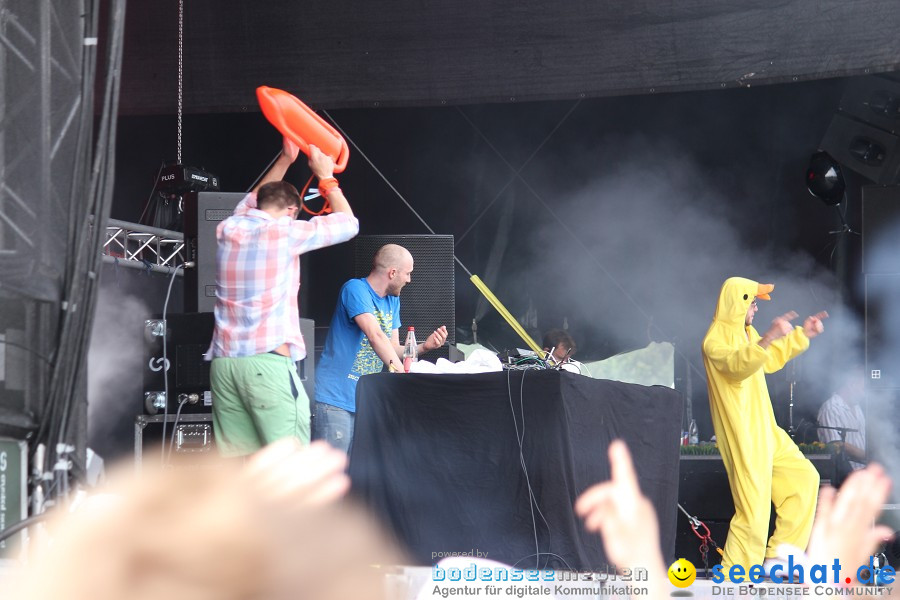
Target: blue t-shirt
348 355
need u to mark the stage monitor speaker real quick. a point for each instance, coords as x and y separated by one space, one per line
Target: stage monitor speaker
873 100
871 152
881 229
882 323
187 340
429 300
203 211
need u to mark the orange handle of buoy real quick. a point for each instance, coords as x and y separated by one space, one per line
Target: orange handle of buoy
297 122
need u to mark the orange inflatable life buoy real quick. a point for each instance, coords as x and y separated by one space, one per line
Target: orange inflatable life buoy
296 121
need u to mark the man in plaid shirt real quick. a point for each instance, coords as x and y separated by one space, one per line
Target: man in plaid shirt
257 395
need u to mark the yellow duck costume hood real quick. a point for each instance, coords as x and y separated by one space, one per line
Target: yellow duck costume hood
735 297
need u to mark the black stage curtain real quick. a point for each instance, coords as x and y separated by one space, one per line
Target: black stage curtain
410 53
437 458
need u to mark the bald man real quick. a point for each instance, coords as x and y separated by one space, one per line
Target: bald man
364 336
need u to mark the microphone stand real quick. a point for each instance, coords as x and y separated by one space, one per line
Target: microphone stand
843 431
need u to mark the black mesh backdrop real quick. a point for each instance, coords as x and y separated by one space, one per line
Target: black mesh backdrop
429 300
42 173
56 165
407 53
40 83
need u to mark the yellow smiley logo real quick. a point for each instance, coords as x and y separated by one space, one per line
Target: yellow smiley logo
682 573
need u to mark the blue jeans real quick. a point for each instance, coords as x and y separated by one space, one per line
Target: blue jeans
334 425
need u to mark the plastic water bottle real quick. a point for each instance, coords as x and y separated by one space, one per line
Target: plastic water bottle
693 433
410 349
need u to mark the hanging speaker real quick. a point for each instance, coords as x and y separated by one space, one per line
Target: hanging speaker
870 151
203 211
881 229
874 100
429 300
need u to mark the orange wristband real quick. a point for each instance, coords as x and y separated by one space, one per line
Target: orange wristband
327 184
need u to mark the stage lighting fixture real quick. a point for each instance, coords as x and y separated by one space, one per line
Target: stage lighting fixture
154 329
154 402
824 179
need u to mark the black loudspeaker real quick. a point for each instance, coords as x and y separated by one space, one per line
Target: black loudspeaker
187 340
203 211
687 544
881 265
429 300
871 152
703 491
874 100
882 322
881 229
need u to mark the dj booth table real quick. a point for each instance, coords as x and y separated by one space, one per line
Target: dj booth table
446 461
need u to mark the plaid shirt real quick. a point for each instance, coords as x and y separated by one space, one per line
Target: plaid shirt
258 277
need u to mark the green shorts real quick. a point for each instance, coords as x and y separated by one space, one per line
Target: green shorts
255 401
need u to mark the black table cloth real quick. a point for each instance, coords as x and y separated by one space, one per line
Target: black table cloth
491 464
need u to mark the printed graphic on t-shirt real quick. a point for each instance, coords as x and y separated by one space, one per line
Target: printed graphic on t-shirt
366 360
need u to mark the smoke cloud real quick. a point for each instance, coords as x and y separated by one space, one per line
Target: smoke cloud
115 365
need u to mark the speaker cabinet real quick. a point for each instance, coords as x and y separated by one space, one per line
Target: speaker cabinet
703 491
187 339
429 300
871 152
882 324
203 211
881 265
875 100
881 229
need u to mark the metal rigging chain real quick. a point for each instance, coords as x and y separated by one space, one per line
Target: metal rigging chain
180 75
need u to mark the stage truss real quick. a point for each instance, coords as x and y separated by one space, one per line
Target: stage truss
143 247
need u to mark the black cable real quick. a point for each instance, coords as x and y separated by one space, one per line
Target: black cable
537 506
512 410
390 185
84 289
563 560
27 349
174 428
152 192
517 173
23 524
90 195
532 500
263 174
165 366
568 230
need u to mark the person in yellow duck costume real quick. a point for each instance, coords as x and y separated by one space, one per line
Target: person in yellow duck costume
764 465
